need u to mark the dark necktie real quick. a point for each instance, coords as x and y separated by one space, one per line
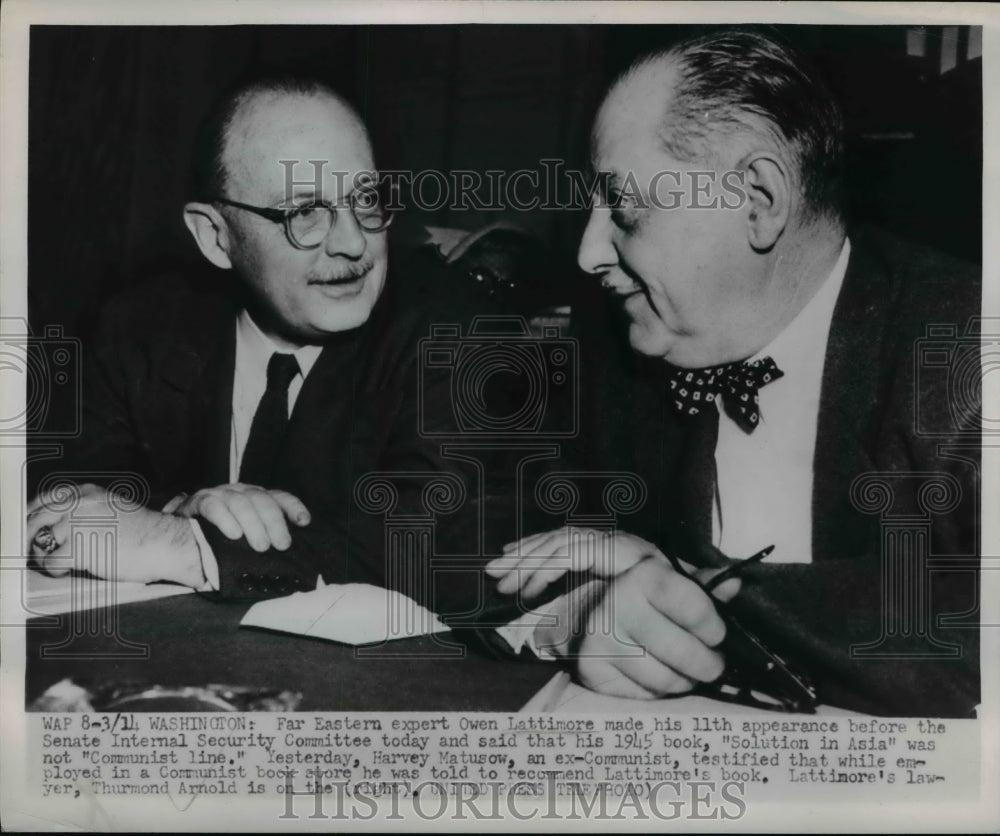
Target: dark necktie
693 393
270 422
692 390
697 477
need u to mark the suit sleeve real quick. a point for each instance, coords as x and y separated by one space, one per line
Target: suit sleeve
108 449
830 622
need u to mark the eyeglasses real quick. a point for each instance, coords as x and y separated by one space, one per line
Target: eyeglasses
307 225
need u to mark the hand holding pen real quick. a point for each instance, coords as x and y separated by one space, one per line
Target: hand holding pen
643 601
755 674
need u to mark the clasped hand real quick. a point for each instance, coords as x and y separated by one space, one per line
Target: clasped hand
87 529
643 632
239 510
148 545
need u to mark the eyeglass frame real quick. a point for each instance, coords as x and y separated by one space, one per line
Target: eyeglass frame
284 216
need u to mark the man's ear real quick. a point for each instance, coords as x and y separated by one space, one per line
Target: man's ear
769 192
210 232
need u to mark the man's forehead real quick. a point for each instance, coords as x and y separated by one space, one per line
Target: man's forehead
271 127
631 117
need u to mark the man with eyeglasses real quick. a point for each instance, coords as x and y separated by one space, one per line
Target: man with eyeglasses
251 411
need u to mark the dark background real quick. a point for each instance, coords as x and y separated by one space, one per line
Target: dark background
113 111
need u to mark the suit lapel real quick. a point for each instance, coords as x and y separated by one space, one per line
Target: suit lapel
850 399
347 398
323 414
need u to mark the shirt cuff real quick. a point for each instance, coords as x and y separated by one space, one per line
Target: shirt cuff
520 633
209 565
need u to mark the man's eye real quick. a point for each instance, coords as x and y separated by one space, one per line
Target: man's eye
619 200
366 198
624 209
307 211
624 214
625 221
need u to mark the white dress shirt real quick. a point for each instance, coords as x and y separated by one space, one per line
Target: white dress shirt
253 352
764 487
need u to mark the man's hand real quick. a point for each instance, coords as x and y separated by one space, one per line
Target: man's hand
239 510
124 542
533 562
647 633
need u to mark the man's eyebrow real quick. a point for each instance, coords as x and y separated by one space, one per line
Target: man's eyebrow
609 178
296 195
594 167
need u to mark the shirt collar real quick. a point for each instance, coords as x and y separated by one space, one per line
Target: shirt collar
258 347
804 338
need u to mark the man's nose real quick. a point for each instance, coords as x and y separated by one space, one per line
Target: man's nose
597 254
346 237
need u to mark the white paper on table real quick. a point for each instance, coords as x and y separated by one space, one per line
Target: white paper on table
351 613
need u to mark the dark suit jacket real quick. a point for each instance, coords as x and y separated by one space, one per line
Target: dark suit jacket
158 386
886 409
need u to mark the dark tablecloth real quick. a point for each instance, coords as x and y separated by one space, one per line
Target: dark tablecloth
188 640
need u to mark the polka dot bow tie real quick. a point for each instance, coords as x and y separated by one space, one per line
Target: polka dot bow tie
691 390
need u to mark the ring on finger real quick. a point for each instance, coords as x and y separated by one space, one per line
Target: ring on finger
45 540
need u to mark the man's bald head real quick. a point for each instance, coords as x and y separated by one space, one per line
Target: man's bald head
232 117
720 91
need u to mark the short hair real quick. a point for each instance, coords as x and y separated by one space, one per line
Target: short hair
733 80
208 170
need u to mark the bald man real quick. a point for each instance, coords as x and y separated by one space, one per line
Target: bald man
251 408
773 403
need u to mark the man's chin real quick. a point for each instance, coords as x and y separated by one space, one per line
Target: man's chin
343 308
651 342
346 318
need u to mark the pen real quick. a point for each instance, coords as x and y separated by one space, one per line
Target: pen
736 568
751 666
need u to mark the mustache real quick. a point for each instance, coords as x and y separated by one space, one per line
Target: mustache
348 273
